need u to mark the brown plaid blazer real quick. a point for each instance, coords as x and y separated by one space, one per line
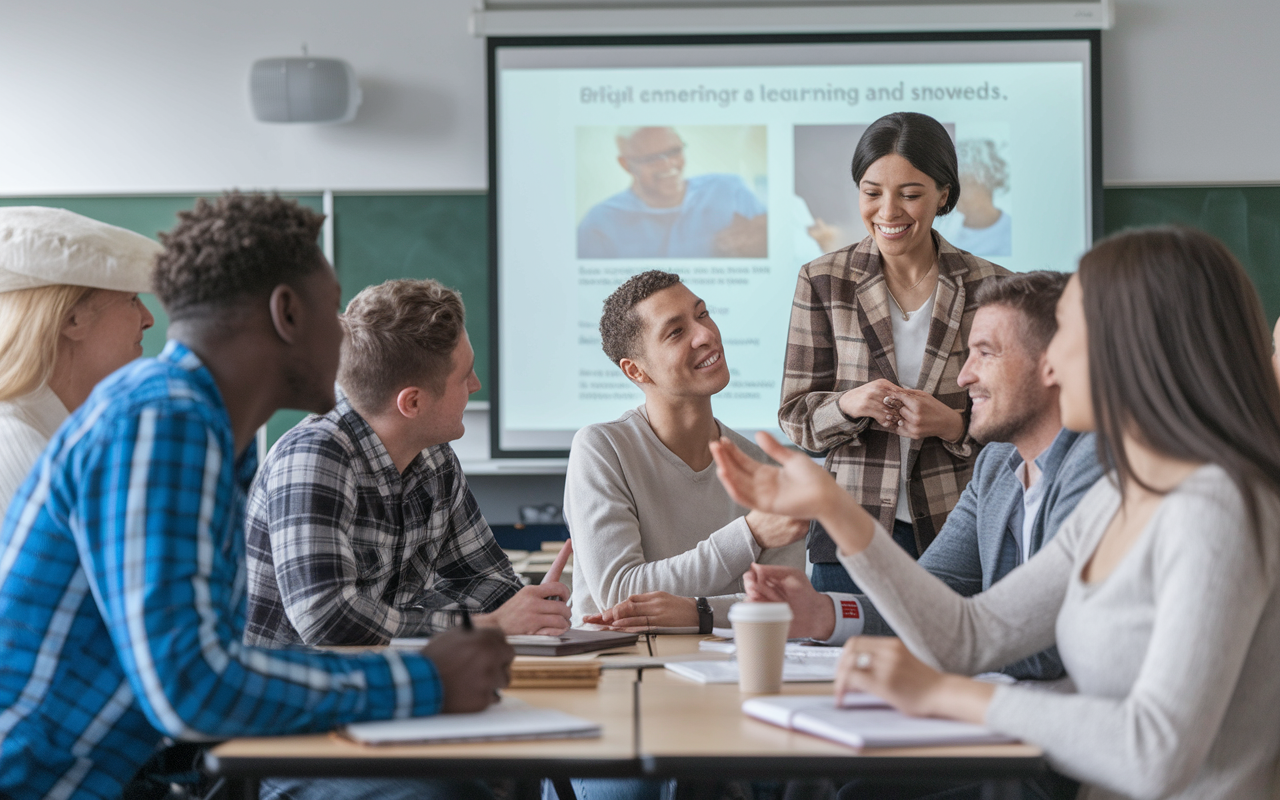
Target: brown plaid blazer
841 337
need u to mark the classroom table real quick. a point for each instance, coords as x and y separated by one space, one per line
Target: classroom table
691 730
654 724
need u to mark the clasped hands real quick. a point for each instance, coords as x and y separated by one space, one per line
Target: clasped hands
907 412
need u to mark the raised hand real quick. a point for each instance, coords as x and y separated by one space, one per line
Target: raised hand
537 609
472 664
813 616
798 488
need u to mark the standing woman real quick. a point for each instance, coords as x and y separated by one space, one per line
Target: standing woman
877 340
69 316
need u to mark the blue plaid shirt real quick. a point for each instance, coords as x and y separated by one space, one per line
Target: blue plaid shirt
122 599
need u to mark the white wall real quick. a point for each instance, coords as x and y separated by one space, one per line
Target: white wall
150 95
1190 92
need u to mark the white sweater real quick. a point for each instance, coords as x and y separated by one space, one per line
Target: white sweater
642 520
1175 655
26 426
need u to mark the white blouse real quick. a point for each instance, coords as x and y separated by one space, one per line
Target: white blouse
27 424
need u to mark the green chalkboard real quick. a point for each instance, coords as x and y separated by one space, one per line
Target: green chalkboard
441 236
1246 219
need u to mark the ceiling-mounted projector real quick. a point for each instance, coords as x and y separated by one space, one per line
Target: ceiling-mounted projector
305 89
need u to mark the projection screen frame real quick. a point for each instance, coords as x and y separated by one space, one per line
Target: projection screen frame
494 44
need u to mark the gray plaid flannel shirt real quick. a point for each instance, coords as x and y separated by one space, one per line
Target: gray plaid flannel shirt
344 550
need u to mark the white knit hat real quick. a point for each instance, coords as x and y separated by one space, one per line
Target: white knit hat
50 246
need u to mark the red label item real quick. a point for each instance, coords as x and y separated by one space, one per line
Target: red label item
849 609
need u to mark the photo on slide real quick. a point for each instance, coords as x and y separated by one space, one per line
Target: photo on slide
661 191
981 222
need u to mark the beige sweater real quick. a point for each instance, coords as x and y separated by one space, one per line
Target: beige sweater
27 424
1175 656
642 520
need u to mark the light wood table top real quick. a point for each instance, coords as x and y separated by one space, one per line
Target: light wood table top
614 753
654 723
687 727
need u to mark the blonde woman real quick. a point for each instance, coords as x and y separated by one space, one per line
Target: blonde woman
69 316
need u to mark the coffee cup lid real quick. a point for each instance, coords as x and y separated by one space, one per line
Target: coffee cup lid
760 612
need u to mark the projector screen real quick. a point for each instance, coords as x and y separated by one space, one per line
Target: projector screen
761 134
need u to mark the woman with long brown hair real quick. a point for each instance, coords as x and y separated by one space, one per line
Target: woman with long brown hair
1159 591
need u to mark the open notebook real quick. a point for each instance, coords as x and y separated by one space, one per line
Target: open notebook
508 720
794 670
863 725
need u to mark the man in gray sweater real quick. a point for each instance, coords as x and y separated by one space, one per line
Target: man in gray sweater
657 541
1026 482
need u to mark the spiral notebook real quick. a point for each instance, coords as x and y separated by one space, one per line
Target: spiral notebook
865 726
509 720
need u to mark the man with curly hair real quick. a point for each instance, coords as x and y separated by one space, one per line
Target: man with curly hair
122 605
361 527
657 541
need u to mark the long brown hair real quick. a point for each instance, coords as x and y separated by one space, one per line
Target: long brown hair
1179 355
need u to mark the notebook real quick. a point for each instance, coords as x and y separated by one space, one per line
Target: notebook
865 726
797 647
794 670
571 642
508 720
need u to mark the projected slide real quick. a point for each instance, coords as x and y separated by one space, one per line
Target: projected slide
730 166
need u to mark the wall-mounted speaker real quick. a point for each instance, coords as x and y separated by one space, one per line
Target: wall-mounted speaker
316 90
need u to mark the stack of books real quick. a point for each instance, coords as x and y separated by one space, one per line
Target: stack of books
562 675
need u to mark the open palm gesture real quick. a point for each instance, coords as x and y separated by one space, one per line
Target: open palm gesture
797 489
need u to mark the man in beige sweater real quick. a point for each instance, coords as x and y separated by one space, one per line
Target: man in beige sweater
658 543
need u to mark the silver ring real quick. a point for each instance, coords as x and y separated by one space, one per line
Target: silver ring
862 661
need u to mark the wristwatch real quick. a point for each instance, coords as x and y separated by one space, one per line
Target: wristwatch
706 617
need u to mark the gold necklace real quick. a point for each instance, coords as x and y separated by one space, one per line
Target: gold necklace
906 317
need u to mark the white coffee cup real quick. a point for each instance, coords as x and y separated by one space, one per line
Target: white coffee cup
760 636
